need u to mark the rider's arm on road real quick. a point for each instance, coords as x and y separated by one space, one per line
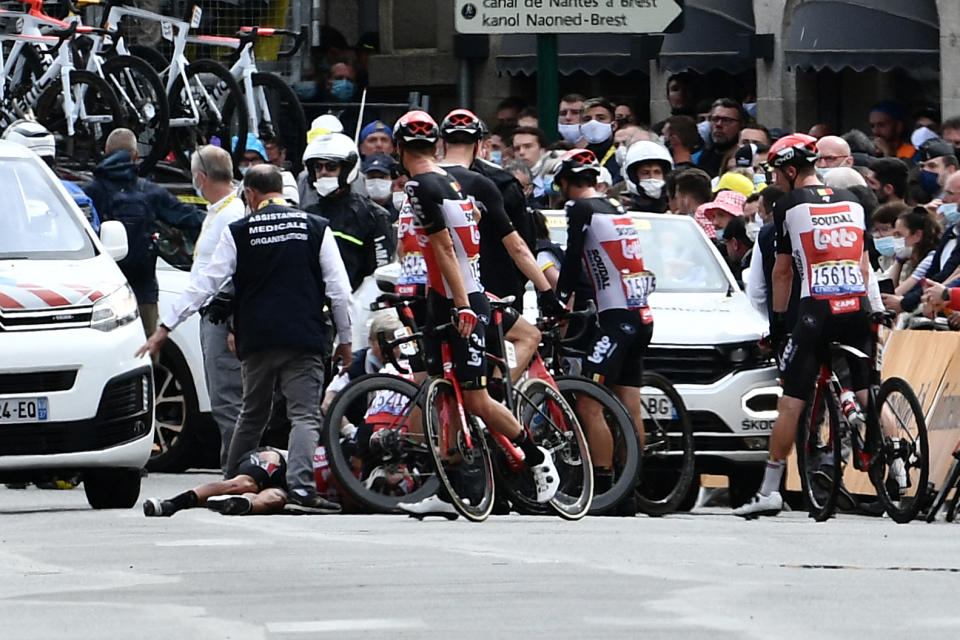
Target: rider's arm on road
337 285
206 282
756 283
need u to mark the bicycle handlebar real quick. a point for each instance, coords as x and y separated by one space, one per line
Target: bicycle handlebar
249 34
547 325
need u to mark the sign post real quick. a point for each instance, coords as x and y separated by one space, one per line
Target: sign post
546 18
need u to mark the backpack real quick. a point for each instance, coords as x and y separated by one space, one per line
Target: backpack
129 206
514 202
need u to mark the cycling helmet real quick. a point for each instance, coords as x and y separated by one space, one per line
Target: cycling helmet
796 149
461 125
640 152
577 161
416 128
33 136
333 146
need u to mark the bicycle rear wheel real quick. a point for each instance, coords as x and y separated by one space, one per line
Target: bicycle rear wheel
667 469
99 114
949 484
902 490
465 469
819 457
552 424
280 116
141 95
626 445
376 472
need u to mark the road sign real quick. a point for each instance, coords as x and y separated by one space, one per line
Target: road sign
568 16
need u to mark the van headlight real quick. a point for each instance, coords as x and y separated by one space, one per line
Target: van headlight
115 310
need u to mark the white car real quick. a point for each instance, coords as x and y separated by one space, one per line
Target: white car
73 398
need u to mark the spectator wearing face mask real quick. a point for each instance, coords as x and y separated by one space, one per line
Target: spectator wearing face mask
380 171
647 164
725 206
597 126
568 124
255 154
937 163
916 236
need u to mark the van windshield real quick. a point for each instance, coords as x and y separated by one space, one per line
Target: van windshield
36 223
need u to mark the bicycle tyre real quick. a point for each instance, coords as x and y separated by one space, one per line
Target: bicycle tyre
141 95
152 57
903 509
949 484
669 458
815 440
351 462
84 149
288 121
231 123
28 69
559 433
626 453
468 481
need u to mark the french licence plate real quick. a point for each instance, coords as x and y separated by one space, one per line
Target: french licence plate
23 410
657 406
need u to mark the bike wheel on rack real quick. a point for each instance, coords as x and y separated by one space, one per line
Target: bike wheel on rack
819 457
280 116
143 99
949 484
465 469
902 489
98 114
626 445
154 58
384 459
221 107
667 470
27 69
553 425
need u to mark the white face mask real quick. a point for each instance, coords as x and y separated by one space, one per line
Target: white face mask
652 187
596 132
196 187
620 155
569 132
326 186
901 250
379 188
399 199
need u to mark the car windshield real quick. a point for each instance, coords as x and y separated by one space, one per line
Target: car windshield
673 249
36 223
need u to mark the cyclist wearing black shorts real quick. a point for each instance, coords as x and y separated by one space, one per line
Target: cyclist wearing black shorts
502 250
449 239
821 231
259 486
601 238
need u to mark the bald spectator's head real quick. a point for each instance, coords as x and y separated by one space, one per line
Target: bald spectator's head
844 178
122 140
834 152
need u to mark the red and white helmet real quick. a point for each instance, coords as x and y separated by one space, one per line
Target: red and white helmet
796 149
577 161
415 127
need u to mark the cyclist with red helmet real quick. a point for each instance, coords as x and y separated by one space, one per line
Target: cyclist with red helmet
446 225
601 237
820 230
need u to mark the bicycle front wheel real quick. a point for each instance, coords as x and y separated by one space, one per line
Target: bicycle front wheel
141 95
819 457
280 116
552 424
464 468
95 114
901 468
373 437
667 471
626 445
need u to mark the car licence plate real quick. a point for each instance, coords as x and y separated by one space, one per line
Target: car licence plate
23 410
657 406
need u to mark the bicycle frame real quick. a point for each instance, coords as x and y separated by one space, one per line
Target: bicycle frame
242 70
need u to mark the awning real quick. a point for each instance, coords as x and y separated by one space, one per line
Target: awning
860 34
590 53
716 35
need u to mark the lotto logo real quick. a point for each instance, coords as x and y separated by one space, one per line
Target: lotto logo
838 238
602 349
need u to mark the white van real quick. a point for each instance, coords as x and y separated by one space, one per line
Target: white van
73 398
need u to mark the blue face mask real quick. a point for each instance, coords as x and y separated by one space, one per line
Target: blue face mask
342 89
496 157
885 246
949 212
928 181
719 234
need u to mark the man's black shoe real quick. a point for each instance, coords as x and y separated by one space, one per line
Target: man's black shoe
310 503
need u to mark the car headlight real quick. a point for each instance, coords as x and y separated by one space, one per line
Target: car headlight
115 310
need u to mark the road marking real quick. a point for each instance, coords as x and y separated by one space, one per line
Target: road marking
206 542
328 626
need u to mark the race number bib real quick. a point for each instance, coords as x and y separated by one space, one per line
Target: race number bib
413 268
836 278
638 287
474 264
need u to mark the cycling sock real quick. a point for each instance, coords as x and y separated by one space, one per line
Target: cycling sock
186 500
772 476
532 455
602 479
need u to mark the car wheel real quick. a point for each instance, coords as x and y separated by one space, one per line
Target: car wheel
112 488
177 417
